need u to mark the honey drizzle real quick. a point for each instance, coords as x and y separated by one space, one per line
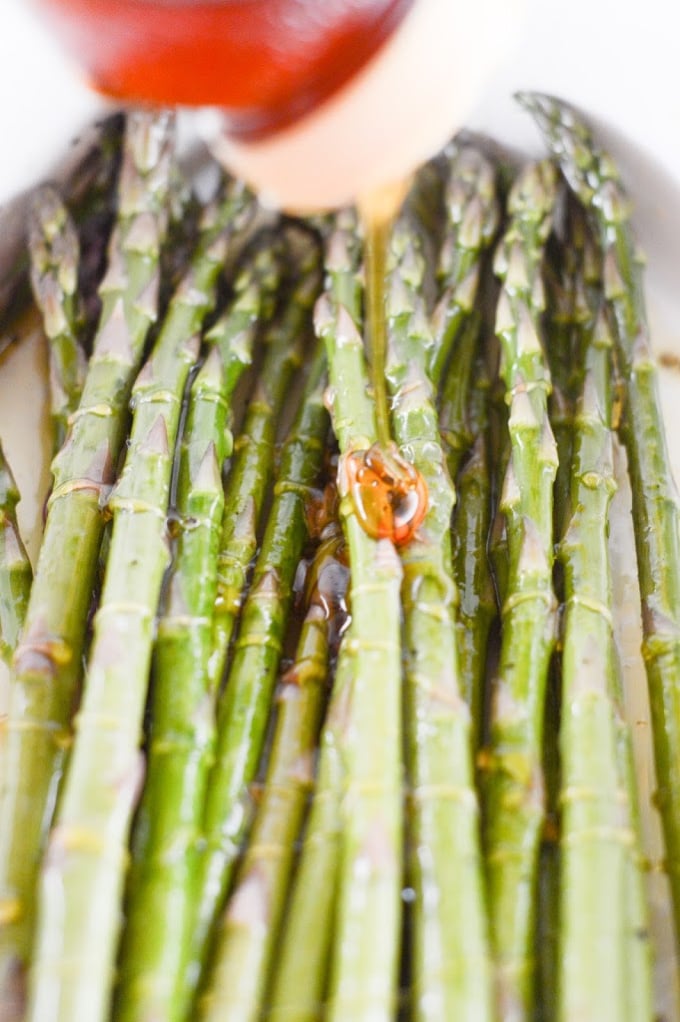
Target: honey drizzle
378 210
388 493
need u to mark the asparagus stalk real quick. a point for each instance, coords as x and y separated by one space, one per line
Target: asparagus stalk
55 252
251 925
499 454
452 966
93 205
88 175
546 936
252 467
300 975
47 663
427 202
15 567
656 515
573 279
161 888
363 979
472 214
639 950
82 877
244 709
470 535
453 417
578 324
564 319
514 789
597 835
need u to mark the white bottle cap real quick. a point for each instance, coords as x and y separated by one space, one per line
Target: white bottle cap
399 110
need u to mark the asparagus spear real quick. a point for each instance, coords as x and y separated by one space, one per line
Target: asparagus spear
639 950
87 174
300 971
573 280
252 467
596 827
47 663
15 567
470 535
656 517
546 935
251 925
472 222
300 976
452 967
244 710
161 888
514 789
365 951
453 416
93 206
499 455
564 320
82 877
15 578
54 247
581 343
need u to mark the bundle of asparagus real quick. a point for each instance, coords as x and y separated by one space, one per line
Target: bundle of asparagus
320 715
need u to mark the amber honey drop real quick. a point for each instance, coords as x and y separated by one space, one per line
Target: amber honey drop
389 494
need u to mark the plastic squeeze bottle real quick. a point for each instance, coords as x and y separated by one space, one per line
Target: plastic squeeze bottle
315 102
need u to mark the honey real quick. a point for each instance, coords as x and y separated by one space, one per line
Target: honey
388 493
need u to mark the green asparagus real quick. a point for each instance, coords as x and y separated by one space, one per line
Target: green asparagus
582 362
47 663
546 930
15 568
300 977
514 786
251 924
477 607
257 890
451 960
596 833
86 855
472 215
89 174
299 981
55 255
161 888
453 415
564 319
247 484
656 515
364 959
244 709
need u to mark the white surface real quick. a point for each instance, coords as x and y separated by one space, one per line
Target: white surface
43 100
